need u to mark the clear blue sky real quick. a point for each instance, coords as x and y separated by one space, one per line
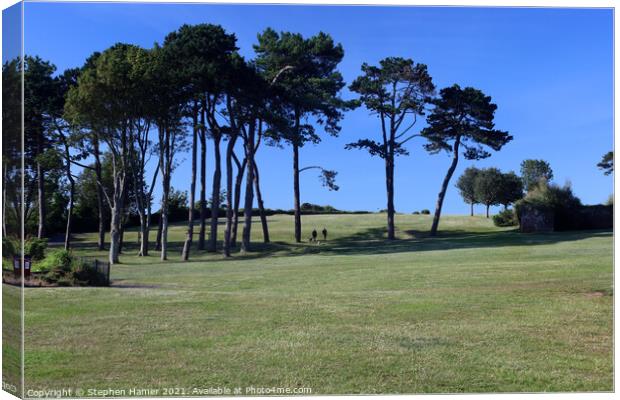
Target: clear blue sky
549 70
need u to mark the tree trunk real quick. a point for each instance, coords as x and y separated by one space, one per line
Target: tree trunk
70 210
114 235
261 206
116 211
69 216
121 240
100 199
444 186
203 180
471 210
166 170
164 226
249 194
41 196
389 184
145 237
488 205
297 204
141 207
192 192
237 200
4 198
159 230
215 195
229 196
71 195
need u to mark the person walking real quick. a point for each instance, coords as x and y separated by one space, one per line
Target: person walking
324 233
314 235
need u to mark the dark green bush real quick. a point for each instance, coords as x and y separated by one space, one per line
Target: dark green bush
560 199
10 248
57 259
416 213
425 212
506 218
57 265
35 248
84 274
64 269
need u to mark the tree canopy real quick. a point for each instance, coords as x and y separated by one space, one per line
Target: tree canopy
461 118
466 184
533 171
489 187
607 163
397 92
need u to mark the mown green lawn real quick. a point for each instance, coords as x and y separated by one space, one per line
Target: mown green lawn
477 309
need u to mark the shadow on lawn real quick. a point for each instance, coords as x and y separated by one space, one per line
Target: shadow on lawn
373 241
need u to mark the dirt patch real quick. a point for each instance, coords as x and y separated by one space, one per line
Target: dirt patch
29 282
598 293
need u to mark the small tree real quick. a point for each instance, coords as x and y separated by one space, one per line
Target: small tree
511 189
489 187
607 163
467 187
461 120
533 171
396 92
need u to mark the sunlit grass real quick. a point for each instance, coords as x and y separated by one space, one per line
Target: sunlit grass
477 309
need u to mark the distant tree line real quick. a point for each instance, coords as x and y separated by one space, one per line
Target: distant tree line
490 187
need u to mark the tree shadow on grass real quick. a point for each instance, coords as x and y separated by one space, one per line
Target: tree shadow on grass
368 242
373 241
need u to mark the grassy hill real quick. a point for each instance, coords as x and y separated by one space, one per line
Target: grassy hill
477 309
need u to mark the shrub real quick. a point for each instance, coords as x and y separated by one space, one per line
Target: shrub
57 265
35 248
416 213
317 209
9 248
64 269
506 218
84 274
559 199
425 212
610 200
57 259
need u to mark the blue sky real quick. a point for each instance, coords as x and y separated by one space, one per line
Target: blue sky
550 71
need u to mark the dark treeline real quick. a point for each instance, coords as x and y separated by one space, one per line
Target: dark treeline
101 138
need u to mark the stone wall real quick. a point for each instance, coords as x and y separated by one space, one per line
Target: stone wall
540 219
535 219
596 217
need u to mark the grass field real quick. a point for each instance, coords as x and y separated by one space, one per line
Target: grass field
477 309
